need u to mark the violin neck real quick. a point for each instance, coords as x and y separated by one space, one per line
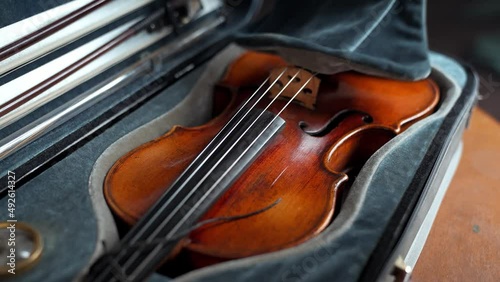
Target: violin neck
156 235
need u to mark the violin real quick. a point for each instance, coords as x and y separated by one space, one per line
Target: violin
268 172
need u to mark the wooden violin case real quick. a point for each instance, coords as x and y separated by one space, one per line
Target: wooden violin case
380 224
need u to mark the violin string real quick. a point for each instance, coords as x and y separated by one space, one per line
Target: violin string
208 223
139 233
222 130
117 270
165 221
199 202
195 188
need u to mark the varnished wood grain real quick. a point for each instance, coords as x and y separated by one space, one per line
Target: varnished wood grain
304 173
464 242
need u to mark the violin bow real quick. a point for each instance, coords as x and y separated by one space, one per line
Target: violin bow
38 89
36 36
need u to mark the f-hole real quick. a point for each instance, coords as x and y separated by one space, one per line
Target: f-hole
333 122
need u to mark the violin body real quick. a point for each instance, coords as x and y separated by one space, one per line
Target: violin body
302 173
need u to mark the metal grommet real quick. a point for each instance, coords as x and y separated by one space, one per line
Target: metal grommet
25 241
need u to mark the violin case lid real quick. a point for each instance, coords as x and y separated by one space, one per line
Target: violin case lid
395 195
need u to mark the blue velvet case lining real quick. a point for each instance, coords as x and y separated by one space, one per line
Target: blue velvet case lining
379 37
57 201
384 38
341 251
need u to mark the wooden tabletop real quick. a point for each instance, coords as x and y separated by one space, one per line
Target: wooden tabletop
464 242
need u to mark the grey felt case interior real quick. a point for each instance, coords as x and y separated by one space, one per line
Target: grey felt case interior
65 202
76 227
339 252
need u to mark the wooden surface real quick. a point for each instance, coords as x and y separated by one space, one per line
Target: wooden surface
464 242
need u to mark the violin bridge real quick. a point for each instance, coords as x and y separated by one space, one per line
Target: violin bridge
308 94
